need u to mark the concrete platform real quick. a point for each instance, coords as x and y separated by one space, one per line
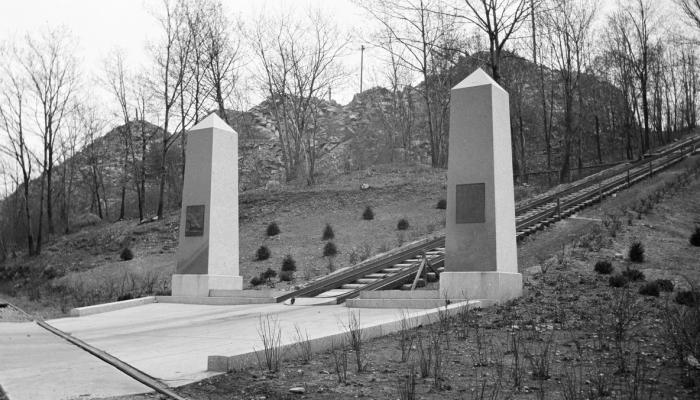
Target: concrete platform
36 364
173 342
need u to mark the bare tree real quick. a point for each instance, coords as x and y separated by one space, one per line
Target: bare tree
400 119
422 34
13 111
499 20
69 162
222 56
637 23
170 63
299 64
50 65
143 99
117 79
568 26
90 126
691 9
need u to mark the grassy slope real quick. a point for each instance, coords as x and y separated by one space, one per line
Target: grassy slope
90 258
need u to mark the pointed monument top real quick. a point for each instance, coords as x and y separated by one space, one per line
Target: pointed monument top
477 78
212 121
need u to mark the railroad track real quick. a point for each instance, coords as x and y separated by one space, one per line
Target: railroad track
393 270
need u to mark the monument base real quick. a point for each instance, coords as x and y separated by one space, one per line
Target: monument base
199 285
491 285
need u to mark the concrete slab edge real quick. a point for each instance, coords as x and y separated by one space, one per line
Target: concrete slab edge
219 363
214 301
394 303
106 307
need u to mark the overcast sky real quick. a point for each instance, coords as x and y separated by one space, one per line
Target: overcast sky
102 25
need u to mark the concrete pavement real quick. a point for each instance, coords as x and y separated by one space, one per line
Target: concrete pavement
36 365
172 341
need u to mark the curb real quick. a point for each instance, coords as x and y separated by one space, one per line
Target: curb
106 307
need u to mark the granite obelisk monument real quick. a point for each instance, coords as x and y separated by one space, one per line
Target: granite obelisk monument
481 260
207 254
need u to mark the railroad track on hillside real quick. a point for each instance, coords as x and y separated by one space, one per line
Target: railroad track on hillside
394 269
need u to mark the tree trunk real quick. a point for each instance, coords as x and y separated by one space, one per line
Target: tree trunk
49 194
523 161
597 140
30 237
37 248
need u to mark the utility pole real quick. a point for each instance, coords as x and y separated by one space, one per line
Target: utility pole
362 63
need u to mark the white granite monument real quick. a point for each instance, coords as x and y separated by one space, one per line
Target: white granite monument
481 260
207 254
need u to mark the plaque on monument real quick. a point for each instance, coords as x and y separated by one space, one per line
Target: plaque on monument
470 203
194 225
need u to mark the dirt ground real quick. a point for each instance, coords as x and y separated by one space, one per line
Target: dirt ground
570 336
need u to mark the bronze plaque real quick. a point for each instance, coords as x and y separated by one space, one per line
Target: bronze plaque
471 203
194 220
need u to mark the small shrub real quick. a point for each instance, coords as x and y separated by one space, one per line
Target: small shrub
353 256
268 274
612 223
650 289
636 252
402 225
695 237
273 229
618 281
262 254
688 298
288 264
126 254
665 285
50 272
441 204
365 251
593 240
603 267
368 214
329 250
126 296
633 275
256 281
328 233
286 276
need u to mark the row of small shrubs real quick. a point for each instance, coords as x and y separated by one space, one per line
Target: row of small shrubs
263 252
626 276
654 288
635 254
289 266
